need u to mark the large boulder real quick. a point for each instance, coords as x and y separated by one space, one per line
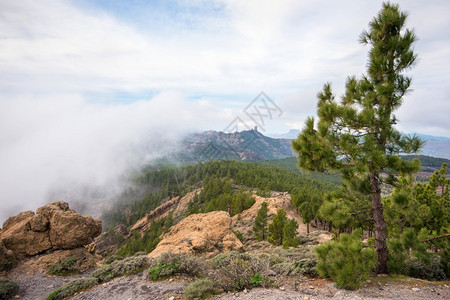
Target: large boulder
209 233
54 226
70 230
17 235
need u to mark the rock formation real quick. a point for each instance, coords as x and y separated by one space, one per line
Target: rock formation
208 233
53 227
143 223
177 205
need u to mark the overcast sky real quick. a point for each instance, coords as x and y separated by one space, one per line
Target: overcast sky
80 78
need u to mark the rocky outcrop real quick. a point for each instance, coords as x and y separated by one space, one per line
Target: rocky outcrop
69 229
54 226
177 205
143 223
208 233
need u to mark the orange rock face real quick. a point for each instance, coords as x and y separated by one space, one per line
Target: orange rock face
209 233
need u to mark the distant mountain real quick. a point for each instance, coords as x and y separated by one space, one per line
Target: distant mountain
249 145
252 145
291 134
435 146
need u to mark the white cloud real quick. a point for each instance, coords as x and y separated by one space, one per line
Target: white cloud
56 142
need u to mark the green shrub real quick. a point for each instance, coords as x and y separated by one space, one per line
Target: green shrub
169 264
73 287
55 295
65 267
305 266
8 288
239 235
129 265
234 270
200 289
258 280
396 257
345 260
430 270
163 269
409 256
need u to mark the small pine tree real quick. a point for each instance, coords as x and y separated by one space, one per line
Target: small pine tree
276 229
290 234
307 213
260 226
345 260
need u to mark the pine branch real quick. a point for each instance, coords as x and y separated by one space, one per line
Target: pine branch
437 237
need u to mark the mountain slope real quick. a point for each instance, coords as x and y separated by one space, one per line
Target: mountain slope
249 145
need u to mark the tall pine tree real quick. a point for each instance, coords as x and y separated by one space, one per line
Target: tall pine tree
357 135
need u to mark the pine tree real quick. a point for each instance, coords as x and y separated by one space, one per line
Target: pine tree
357 135
260 226
276 228
307 214
290 238
436 198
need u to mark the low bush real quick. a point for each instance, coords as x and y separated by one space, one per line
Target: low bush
430 270
407 255
257 280
73 287
129 265
305 266
237 271
163 269
65 267
8 289
200 288
345 260
169 264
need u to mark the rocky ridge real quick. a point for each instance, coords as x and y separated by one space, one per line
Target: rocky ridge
53 227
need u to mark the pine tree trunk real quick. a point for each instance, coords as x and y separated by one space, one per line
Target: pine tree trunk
380 225
307 228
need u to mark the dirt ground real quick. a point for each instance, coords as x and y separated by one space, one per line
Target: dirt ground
138 287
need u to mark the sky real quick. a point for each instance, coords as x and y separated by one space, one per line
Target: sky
84 83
